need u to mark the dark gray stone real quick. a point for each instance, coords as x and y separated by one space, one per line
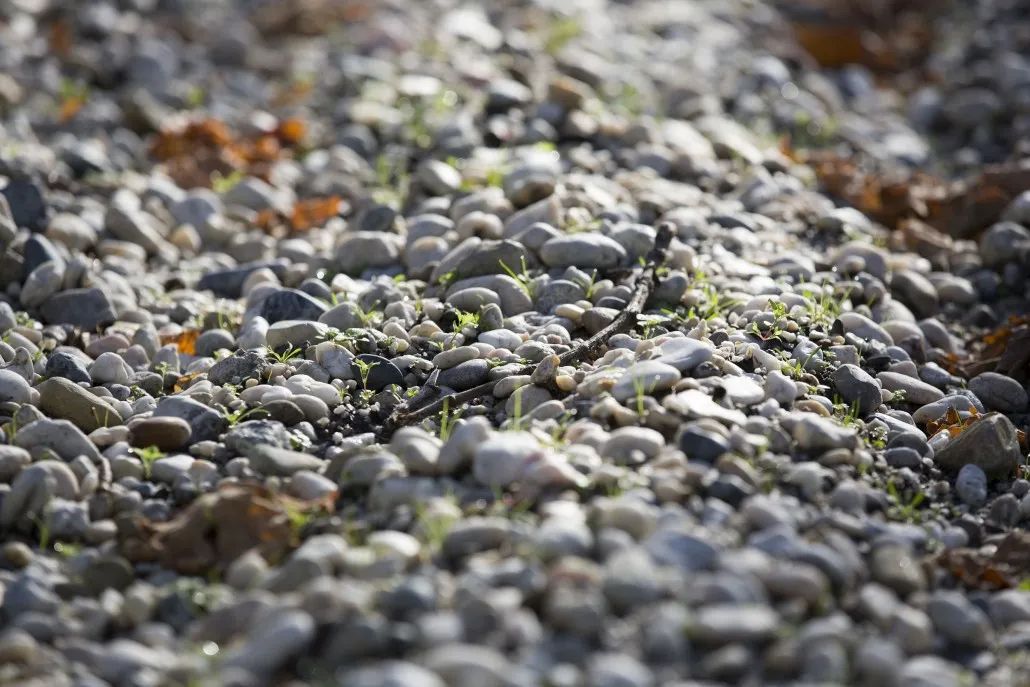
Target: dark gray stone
383 372
465 375
238 368
68 366
28 207
229 283
85 308
206 423
290 304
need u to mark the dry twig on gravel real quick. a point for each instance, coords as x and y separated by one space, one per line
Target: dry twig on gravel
645 285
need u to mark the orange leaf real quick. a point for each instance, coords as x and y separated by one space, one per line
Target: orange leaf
69 108
314 212
292 130
186 341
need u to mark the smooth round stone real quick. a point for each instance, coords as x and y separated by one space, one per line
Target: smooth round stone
465 375
455 356
586 251
167 433
971 485
999 392
646 377
742 390
14 388
214 340
864 328
628 445
702 444
285 411
473 298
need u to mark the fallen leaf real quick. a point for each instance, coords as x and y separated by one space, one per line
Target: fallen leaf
314 212
989 567
218 527
205 149
185 341
60 38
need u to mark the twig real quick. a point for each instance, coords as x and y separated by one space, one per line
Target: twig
623 322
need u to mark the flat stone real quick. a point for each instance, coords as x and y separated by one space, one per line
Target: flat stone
917 392
281 462
729 623
588 250
295 333
63 399
697 404
645 377
60 436
89 309
465 375
815 434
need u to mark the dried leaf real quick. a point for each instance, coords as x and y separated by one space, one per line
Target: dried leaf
184 382
292 131
314 212
1000 567
206 148
60 38
185 341
218 527
832 45
69 108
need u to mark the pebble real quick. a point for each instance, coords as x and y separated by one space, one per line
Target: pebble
916 392
999 392
990 443
647 377
971 485
206 424
857 388
60 398
166 433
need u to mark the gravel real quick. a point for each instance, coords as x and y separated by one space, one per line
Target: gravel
297 383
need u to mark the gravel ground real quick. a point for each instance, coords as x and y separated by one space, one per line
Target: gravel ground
395 343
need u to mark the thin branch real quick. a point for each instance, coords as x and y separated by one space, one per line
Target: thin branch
646 282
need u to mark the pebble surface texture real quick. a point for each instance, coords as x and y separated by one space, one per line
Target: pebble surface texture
501 344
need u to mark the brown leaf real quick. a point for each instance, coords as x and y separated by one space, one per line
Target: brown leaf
218 527
989 567
61 38
193 154
314 212
185 341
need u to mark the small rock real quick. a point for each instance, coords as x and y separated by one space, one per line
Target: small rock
166 433
999 392
990 443
857 387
